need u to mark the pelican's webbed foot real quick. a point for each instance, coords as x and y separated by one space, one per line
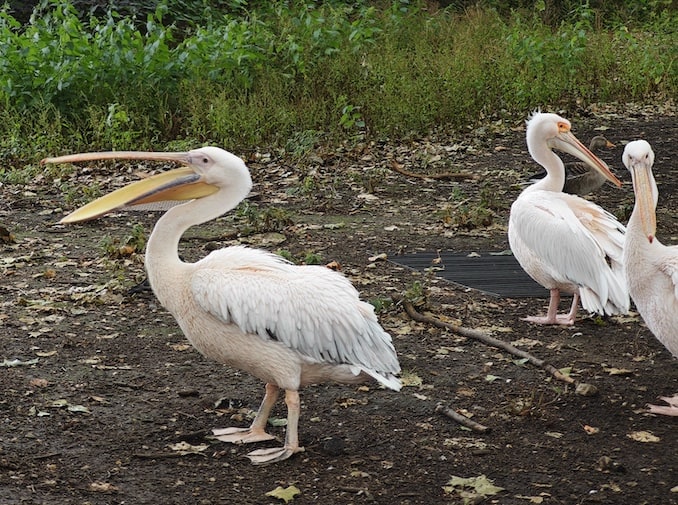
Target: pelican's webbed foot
563 320
670 410
272 455
241 435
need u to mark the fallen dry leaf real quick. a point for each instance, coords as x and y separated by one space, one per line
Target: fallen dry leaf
184 448
618 371
102 487
531 499
285 494
39 383
9 363
643 436
410 379
472 489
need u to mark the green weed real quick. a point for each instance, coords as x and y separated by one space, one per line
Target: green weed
256 220
134 243
241 74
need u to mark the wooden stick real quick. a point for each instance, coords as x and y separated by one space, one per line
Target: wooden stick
461 419
487 339
397 167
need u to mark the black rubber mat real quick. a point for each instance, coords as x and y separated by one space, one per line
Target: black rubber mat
494 274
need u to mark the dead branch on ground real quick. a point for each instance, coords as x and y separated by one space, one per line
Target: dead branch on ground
462 419
486 339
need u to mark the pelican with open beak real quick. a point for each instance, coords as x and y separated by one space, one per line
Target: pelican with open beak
289 325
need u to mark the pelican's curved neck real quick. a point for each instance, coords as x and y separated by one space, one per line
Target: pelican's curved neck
162 250
555 169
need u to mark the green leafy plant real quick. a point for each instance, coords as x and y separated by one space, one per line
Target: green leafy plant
241 74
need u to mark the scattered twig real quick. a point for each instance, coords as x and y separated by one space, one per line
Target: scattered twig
397 167
487 339
461 419
357 490
47 455
157 455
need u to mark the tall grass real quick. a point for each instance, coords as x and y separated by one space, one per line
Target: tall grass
265 76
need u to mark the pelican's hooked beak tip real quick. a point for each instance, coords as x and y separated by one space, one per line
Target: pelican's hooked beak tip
650 238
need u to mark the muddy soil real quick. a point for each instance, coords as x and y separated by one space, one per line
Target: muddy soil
104 402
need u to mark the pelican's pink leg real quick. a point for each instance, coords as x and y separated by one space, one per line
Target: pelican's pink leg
552 316
257 430
265 456
572 315
670 410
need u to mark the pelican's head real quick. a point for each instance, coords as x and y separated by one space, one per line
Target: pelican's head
206 171
551 131
638 157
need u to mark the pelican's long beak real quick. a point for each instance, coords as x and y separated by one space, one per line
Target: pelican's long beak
644 188
567 142
179 184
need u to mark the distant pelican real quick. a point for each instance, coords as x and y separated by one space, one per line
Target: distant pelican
288 325
651 267
566 243
580 178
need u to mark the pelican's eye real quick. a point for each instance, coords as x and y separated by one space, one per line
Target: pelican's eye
563 127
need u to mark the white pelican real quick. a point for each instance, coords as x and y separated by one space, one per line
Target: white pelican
288 325
562 241
580 178
651 267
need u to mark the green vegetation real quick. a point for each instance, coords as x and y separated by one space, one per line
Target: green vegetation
256 220
290 73
132 244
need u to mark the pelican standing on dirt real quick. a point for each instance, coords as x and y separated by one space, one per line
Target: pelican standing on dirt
651 267
566 243
288 325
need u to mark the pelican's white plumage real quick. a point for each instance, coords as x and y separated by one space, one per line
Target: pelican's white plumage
565 242
288 325
651 267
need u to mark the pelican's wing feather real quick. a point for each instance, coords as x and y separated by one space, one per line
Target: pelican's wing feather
311 309
577 168
576 241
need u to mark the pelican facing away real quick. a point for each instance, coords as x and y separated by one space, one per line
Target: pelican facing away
566 243
651 267
288 325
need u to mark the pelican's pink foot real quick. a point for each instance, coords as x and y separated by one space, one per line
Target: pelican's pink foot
242 435
670 410
552 316
273 455
563 320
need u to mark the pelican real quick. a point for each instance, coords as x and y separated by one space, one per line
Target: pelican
651 267
566 243
288 325
580 178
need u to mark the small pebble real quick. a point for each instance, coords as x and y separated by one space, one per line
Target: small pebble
585 389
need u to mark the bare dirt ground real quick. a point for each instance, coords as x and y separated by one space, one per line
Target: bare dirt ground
104 402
